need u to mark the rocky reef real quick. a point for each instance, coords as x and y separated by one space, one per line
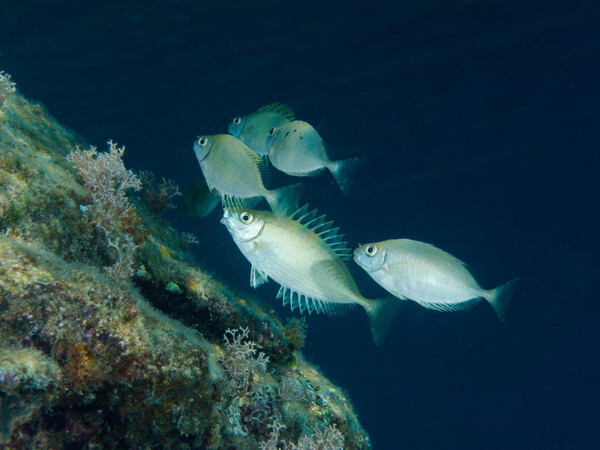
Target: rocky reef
163 355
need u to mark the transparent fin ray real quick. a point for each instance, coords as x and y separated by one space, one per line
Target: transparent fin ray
257 277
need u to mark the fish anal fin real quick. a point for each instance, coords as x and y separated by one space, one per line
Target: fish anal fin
309 304
258 160
450 307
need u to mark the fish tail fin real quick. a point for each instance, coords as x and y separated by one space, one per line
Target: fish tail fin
382 313
343 169
501 297
284 201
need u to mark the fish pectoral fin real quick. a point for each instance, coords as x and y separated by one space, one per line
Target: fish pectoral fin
257 277
450 307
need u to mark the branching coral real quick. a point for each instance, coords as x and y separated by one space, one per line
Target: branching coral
107 181
240 361
7 87
158 196
328 438
124 247
290 390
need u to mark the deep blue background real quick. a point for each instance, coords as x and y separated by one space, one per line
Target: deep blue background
480 120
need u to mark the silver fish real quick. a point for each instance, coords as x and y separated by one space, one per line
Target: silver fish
305 254
431 277
198 200
234 172
297 149
252 129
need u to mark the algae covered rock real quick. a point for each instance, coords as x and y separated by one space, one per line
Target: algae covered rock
171 358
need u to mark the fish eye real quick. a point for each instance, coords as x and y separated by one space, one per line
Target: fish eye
272 131
246 217
237 120
371 250
202 141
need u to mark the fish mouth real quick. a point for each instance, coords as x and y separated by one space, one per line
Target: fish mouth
225 219
356 257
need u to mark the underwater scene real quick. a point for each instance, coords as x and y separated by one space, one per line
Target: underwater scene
299 225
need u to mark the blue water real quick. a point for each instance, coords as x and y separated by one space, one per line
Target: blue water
480 122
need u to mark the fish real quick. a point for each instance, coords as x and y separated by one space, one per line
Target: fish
198 200
252 129
306 255
236 174
297 149
417 271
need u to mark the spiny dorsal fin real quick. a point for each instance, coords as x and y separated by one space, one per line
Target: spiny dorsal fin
262 164
253 155
325 230
265 171
279 108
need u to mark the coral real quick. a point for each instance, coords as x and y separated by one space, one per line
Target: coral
239 360
327 438
124 247
7 87
291 390
158 196
188 239
107 181
86 361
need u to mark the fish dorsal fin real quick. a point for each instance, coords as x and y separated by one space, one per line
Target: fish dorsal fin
253 155
328 233
265 171
257 277
262 164
279 108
